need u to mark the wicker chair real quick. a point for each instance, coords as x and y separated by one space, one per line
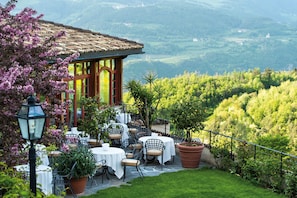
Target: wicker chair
99 170
131 162
115 134
154 147
134 151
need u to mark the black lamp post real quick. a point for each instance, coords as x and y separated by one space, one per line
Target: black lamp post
31 120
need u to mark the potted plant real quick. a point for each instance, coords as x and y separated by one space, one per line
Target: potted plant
96 115
188 116
106 115
85 166
89 122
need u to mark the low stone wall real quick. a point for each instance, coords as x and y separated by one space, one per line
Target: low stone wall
208 157
162 128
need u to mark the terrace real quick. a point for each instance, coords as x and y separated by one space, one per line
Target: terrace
211 138
148 170
153 169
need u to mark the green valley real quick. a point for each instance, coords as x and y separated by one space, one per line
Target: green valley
208 37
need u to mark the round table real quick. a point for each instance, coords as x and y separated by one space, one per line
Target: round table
44 176
113 157
169 150
42 154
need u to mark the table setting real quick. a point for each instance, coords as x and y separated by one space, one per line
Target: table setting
44 176
113 157
169 151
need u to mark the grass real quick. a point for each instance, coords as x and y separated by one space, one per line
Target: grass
189 183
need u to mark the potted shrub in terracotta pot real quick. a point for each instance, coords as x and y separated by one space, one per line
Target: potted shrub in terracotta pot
188 116
85 166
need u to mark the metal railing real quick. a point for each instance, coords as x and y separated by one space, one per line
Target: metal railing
267 166
232 142
256 147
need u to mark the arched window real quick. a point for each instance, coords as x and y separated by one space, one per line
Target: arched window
104 86
109 78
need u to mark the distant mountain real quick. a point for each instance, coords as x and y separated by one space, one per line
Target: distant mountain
205 36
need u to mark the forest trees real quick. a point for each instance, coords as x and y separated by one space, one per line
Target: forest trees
270 114
25 70
237 103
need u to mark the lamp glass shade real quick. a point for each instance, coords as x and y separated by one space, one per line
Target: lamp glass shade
31 120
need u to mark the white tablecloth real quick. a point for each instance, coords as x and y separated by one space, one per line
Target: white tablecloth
113 157
123 118
169 151
44 176
42 154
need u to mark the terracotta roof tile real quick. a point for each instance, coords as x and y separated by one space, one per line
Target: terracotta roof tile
86 41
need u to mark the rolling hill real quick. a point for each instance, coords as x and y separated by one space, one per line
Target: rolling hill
203 36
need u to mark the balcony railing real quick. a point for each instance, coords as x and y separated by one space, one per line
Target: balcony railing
231 142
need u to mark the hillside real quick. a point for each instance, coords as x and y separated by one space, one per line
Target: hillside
246 105
201 36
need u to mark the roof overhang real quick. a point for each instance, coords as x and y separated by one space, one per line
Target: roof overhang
106 54
89 44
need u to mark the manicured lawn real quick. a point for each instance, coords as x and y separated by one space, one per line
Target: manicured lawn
189 183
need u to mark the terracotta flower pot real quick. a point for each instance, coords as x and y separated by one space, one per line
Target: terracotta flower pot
190 154
78 185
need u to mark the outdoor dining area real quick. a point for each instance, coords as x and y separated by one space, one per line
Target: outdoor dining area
129 150
52 139
132 150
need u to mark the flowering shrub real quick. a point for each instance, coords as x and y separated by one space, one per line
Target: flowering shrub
65 148
72 140
53 137
25 70
20 154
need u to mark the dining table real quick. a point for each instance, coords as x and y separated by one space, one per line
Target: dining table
41 153
169 151
44 176
112 156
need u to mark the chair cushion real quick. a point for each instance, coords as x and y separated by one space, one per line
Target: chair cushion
115 136
136 146
130 162
133 130
54 153
129 155
154 152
